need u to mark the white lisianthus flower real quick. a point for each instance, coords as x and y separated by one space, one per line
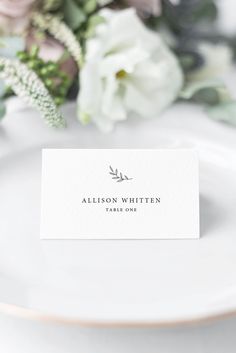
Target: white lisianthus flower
127 69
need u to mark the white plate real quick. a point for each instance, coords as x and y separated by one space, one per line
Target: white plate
117 282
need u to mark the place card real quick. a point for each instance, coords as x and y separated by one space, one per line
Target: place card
120 194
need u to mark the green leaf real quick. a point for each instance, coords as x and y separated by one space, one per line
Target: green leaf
51 5
208 96
210 92
207 10
2 88
225 112
90 6
92 24
104 2
73 14
2 109
191 88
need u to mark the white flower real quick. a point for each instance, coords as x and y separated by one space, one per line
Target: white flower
218 59
128 69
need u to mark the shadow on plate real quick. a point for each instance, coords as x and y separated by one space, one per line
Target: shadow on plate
211 215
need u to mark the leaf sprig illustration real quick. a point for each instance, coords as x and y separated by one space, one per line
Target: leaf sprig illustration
118 176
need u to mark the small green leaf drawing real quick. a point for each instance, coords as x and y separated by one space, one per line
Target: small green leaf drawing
118 176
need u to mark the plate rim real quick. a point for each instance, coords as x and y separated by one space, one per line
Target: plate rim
39 316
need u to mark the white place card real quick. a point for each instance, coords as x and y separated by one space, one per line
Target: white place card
119 194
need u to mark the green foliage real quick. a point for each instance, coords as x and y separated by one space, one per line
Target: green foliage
55 80
51 5
225 112
93 21
188 14
77 12
205 91
189 59
79 15
2 109
209 96
216 98
54 25
90 6
26 84
187 23
74 15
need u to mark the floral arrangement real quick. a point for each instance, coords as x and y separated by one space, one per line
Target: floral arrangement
115 58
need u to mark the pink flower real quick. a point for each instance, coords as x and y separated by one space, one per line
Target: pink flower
14 15
15 8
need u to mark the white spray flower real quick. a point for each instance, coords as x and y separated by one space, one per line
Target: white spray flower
27 85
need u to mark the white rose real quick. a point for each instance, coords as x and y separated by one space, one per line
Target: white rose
128 69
